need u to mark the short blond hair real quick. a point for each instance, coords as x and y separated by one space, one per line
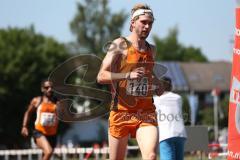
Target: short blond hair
136 7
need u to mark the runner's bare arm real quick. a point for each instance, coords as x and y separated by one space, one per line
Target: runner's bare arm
108 71
31 109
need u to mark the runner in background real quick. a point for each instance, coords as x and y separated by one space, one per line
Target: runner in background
46 122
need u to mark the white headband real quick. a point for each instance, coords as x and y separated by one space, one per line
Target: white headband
141 12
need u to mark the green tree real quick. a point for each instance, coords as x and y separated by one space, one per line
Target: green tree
206 114
94 25
186 111
25 59
170 49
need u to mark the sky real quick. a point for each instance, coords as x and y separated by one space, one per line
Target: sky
206 24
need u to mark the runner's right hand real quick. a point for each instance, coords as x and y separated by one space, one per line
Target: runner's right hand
137 73
24 131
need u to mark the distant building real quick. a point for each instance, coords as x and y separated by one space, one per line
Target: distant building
197 80
199 77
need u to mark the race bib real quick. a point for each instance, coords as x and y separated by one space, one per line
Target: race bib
48 119
137 87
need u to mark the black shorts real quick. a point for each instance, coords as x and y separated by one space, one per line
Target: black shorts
51 139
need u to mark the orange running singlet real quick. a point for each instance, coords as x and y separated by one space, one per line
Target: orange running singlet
46 121
133 107
136 94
